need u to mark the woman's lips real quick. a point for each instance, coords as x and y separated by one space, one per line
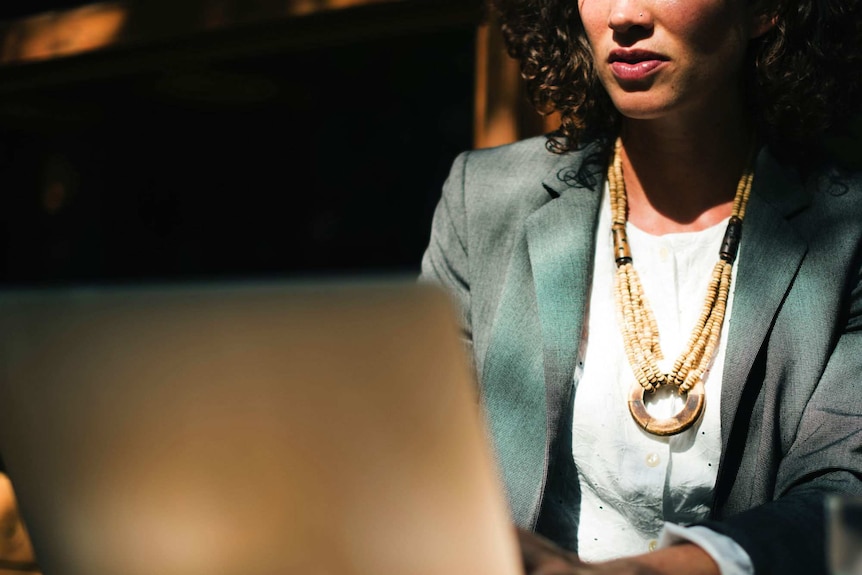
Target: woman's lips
634 64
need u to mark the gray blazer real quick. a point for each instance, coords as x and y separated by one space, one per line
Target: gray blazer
513 240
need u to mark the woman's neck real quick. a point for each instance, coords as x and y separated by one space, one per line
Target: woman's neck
680 180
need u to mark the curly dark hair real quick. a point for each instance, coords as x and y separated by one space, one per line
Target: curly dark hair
803 77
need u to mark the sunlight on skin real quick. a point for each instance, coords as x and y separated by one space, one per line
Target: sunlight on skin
14 542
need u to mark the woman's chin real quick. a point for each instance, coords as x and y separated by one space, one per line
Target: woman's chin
642 113
642 105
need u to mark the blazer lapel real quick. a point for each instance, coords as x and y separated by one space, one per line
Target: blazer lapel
534 340
561 240
770 255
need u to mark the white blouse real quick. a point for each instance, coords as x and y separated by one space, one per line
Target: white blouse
632 482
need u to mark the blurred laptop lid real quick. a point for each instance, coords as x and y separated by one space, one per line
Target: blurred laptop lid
326 427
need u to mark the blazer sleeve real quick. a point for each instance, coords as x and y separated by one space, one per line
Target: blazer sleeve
789 534
445 261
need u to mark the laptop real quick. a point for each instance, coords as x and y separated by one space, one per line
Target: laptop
269 427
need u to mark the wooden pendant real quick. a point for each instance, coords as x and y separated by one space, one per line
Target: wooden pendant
678 423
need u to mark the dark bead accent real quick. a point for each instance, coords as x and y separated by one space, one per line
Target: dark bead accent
732 235
622 253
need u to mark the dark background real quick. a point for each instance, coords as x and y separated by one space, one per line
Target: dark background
21 8
222 154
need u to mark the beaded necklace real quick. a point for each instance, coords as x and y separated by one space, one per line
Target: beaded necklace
638 324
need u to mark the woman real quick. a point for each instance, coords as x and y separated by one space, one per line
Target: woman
663 396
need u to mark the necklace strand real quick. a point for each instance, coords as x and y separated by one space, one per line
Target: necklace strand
638 323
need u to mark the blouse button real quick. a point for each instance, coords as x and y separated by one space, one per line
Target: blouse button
664 254
653 459
653 545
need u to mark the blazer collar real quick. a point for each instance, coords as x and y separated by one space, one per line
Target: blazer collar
771 253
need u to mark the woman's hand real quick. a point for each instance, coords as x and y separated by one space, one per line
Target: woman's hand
16 552
542 557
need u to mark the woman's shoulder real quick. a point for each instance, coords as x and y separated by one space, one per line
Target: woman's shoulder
527 168
835 187
838 178
534 148
822 180
521 159
820 198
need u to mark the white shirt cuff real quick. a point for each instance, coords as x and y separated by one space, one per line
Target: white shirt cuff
730 557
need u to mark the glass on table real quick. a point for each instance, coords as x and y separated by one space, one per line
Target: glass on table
844 534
